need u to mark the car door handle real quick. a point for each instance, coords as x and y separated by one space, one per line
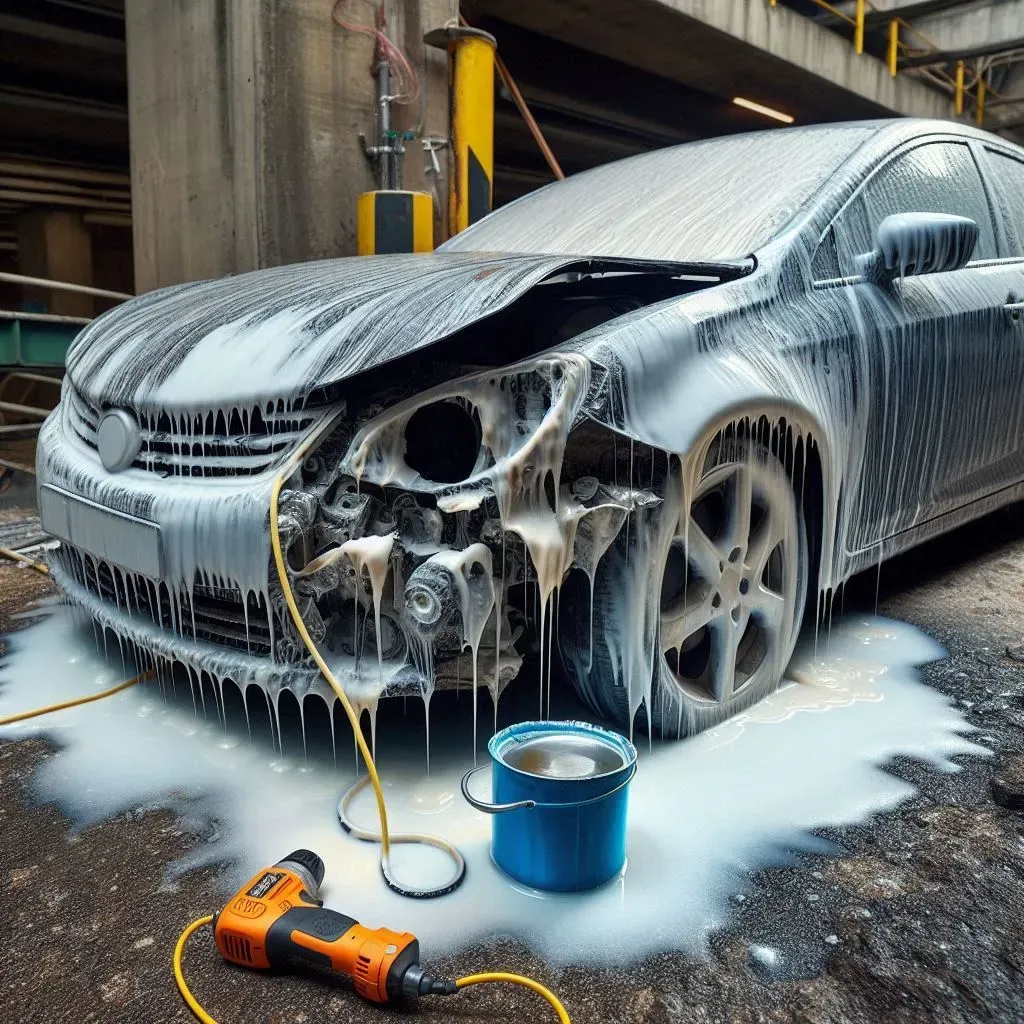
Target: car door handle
1014 306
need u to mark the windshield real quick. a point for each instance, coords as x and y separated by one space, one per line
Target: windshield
704 201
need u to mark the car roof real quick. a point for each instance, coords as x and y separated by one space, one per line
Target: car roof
788 176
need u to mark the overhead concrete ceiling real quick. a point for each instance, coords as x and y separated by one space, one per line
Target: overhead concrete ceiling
655 37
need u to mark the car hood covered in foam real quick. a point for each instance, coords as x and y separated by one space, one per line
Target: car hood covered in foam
281 332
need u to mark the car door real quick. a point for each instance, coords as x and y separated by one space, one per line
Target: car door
924 348
1004 173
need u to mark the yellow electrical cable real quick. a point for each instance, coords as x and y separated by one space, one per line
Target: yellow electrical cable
385 838
35 712
282 575
517 979
30 562
179 977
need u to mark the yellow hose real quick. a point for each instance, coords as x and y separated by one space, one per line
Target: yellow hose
30 562
385 838
282 575
186 992
517 979
36 712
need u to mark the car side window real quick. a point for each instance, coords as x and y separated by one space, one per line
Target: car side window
1007 176
937 177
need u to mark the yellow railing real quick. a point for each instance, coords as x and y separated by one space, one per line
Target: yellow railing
856 20
960 85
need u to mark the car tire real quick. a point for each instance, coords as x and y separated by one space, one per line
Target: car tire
732 593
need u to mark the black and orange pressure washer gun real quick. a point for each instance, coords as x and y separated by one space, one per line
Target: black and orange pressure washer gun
277 921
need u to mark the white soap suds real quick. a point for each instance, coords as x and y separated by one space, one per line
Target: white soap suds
703 813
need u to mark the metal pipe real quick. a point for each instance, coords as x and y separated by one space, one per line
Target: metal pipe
980 112
25 410
64 188
385 164
62 286
56 199
1004 101
524 110
59 173
894 45
858 27
19 431
39 378
18 466
47 318
991 49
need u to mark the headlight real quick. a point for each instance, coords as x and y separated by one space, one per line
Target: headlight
442 441
471 429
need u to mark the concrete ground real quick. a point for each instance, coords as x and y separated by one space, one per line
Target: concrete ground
918 919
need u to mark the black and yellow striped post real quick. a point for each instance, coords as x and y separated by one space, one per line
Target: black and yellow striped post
394 221
471 92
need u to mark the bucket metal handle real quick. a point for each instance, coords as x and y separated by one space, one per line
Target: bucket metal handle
488 808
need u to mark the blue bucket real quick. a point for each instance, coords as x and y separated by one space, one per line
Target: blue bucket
559 793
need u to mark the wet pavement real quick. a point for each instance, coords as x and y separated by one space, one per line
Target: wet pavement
914 916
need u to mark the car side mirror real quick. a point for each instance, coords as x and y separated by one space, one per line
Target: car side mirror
923 243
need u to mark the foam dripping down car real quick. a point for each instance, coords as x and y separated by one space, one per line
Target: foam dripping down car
642 417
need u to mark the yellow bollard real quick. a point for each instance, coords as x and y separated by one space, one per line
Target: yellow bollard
894 45
394 221
980 112
858 27
958 95
471 91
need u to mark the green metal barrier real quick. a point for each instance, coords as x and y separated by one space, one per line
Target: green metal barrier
36 339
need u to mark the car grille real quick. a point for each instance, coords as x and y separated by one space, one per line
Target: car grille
213 614
206 444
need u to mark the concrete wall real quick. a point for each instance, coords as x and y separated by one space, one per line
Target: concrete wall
245 118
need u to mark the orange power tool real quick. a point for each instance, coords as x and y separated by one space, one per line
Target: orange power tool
277 921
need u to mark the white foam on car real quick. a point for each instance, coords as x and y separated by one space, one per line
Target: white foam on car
704 813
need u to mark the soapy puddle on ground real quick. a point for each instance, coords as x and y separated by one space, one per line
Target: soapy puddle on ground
703 813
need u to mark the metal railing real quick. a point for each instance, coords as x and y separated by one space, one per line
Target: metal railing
905 42
19 431
856 19
63 286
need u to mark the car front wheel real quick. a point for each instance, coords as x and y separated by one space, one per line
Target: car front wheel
730 601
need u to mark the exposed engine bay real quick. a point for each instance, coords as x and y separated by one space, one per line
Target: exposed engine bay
426 536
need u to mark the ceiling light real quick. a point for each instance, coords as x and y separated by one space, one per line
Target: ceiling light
760 108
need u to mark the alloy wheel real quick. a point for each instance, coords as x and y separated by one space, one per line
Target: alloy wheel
733 582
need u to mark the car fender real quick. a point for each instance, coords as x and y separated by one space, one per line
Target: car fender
672 381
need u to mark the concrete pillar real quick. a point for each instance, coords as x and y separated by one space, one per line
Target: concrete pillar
55 244
245 119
